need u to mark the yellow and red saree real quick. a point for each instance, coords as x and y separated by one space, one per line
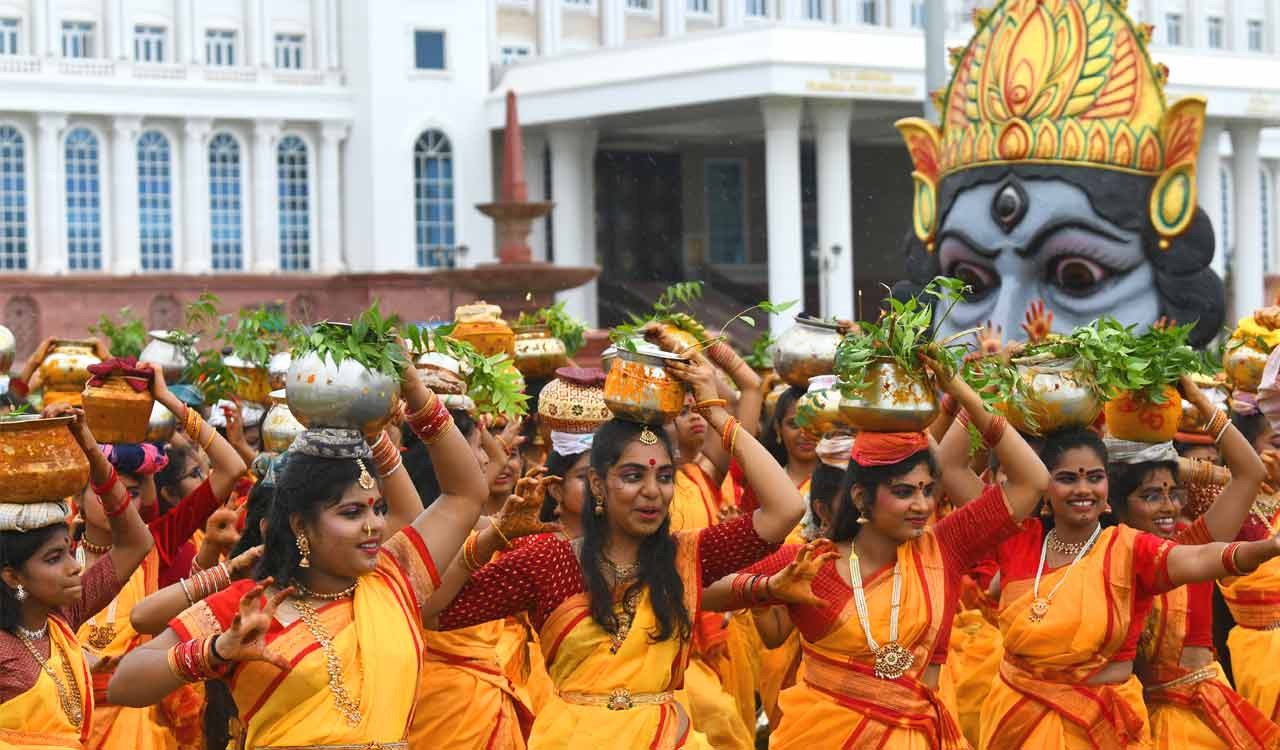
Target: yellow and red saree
35 720
1254 643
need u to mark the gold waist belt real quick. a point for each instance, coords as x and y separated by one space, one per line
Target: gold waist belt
1200 675
620 699
401 745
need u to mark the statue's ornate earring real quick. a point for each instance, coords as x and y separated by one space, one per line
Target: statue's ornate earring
304 549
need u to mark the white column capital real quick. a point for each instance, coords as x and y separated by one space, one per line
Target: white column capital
51 121
831 114
126 126
197 127
1245 132
781 112
267 130
335 131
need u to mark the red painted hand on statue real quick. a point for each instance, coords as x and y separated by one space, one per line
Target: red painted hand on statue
1039 322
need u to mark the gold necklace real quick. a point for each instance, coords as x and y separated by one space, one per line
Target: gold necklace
101 636
1070 549
1039 604
626 616
69 697
342 700
621 573
308 593
892 659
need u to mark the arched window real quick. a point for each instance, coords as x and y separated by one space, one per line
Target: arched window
433 199
155 202
1264 185
13 200
84 202
225 233
295 204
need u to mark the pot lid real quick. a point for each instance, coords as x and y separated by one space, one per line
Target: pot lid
809 320
479 311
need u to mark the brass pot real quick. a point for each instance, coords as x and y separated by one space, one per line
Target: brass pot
322 394
40 460
1131 416
805 350
818 410
1244 365
8 350
894 400
66 365
1060 398
481 325
161 350
116 413
280 427
278 369
1217 393
161 425
638 387
253 383
538 354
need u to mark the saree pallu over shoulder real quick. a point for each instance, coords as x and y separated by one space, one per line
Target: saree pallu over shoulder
35 719
588 675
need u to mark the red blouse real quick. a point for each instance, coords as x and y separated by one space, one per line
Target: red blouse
964 537
538 576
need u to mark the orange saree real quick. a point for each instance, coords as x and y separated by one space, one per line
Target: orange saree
1042 698
1254 643
35 720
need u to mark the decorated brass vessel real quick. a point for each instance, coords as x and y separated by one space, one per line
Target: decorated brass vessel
818 410
893 401
538 354
280 427
638 387
1244 364
805 350
1131 416
253 383
1059 397
481 325
117 413
65 370
40 460
322 394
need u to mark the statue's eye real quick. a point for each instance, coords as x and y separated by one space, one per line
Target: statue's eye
978 278
1077 276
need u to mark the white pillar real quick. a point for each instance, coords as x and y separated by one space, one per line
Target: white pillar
194 32
49 257
266 203
613 23
1194 26
1270 17
573 223
782 203
182 39
1246 276
319 45
53 28
254 34
1209 189
734 13
843 11
335 36
673 17
126 253
195 166
331 136
790 10
835 202
40 28
117 45
535 165
548 28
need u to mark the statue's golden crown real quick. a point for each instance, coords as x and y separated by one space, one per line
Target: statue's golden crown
1064 82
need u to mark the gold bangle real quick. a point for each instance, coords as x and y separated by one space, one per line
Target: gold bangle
212 434
506 543
733 440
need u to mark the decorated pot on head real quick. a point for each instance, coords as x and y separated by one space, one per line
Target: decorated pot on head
1056 116
480 324
805 350
251 414
1057 396
891 399
538 354
1138 417
279 427
161 424
65 370
571 406
818 410
164 351
323 394
1247 350
441 373
40 460
8 349
118 402
278 369
638 387
1216 390
253 383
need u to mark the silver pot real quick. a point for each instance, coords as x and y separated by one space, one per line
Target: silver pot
161 425
280 427
818 410
805 350
8 349
893 401
1059 399
278 369
322 394
162 350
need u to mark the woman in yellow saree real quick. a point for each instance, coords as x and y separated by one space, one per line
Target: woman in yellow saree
1254 642
46 691
614 609
330 657
1074 597
899 589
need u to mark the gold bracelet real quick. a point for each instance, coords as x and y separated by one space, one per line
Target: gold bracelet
506 543
212 434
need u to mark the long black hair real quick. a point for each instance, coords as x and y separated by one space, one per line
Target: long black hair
557 466
1123 479
657 554
844 521
417 461
772 437
307 486
1055 446
16 547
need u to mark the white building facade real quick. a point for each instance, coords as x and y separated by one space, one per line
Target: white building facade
747 142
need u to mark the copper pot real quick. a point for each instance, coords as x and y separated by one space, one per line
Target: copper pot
818 410
481 325
280 427
66 365
638 387
116 413
253 383
894 400
1059 396
538 354
805 350
40 461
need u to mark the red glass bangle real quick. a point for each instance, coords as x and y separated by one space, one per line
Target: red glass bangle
104 489
1229 559
994 432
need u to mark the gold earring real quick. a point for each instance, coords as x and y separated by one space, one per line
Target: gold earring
20 594
599 511
304 549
